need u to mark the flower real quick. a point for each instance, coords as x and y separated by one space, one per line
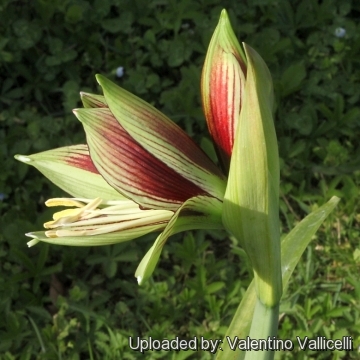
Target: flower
138 173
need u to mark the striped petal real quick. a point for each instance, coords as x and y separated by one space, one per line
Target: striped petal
222 87
71 169
202 212
129 168
92 100
163 138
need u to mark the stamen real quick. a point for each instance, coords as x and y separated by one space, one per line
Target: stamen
51 234
63 202
88 220
111 227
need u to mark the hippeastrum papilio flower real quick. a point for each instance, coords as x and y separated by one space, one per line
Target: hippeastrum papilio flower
138 173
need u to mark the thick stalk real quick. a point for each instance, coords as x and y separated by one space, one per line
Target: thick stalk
264 326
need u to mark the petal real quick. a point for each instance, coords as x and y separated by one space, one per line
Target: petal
202 212
163 138
71 169
129 168
92 100
222 87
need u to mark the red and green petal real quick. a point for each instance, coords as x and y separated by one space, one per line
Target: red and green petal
71 169
222 87
131 169
163 139
92 100
201 212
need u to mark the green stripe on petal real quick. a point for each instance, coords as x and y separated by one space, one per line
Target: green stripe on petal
163 138
202 212
92 100
71 169
129 168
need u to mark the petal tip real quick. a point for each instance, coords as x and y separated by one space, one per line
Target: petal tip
139 279
99 78
31 235
23 158
224 14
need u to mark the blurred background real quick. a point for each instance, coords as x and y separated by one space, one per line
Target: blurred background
83 303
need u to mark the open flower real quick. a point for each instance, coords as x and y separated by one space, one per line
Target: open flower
138 173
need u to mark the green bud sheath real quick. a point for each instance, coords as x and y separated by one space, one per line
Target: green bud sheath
251 204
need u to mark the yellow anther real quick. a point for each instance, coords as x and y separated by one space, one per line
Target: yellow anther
67 212
63 202
51 234
48 224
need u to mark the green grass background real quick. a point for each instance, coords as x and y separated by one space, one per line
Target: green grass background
83 303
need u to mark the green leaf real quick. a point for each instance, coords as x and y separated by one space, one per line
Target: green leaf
292 78
176 53
292 247
112 25
74 14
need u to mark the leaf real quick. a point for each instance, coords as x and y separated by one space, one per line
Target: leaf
292 78
176 53
292 247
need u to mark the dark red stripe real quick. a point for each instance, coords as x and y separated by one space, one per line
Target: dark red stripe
135 170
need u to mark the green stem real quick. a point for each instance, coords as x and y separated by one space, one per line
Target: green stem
264 326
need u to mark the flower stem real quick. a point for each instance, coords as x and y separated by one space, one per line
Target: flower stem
264 326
